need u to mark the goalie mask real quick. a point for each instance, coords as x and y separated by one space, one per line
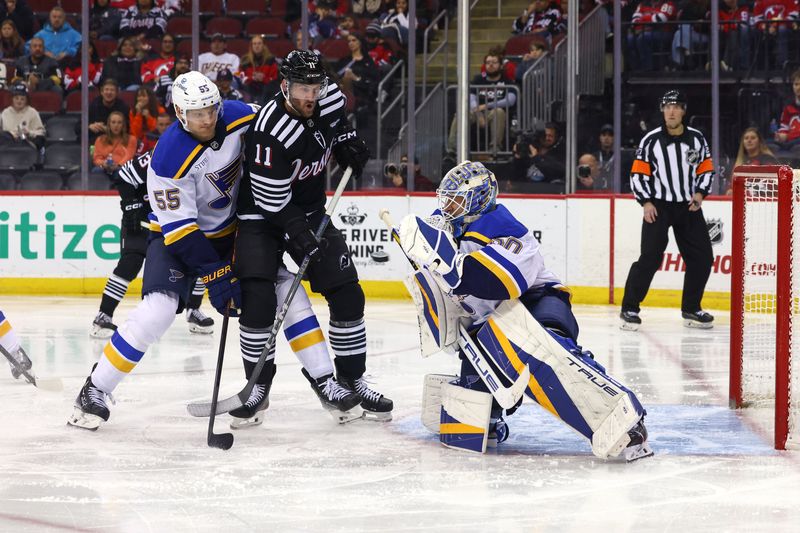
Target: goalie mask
466 192
304 81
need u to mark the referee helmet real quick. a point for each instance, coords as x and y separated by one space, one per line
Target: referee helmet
673 96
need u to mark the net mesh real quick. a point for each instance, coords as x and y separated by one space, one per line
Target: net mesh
760 247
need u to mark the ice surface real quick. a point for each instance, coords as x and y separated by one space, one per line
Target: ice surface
149 469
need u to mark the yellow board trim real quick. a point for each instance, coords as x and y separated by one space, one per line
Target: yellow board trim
451 428
119 362
5 327
533 383
175 236
480 237
304 341
187 162
505 279
427 302
239 121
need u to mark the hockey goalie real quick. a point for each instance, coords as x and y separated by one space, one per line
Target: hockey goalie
482 290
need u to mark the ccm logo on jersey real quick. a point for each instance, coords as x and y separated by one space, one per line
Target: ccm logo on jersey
591 377
346 136
216 274
131 207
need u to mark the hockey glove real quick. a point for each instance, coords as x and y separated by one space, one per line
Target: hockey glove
302 238
222 285
133 212
350 151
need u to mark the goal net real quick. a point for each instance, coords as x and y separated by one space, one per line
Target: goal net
765 293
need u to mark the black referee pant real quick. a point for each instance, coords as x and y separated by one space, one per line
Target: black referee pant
691 235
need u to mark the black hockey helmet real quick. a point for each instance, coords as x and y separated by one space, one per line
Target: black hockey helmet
303 66
673 96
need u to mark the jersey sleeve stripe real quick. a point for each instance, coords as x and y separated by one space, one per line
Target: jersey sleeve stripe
189 160
174 236
261 121
279 125
270 181
508 266
239 122
477 237
294 137
503 276
332 108
288 130
330 97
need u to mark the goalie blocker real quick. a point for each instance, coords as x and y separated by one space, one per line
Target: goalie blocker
561 378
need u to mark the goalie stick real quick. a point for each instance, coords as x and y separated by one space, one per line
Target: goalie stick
507 397
48 384
238 400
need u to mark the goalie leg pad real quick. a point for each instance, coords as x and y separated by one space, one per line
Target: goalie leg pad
562 382
437 314
432 400
465 417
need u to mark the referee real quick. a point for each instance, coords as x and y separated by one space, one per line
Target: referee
670 177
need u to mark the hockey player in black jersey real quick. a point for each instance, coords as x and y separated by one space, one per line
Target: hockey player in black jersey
281 202
131 183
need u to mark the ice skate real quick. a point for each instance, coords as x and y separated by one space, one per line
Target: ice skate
252 412
699 319
498 432
23 364
91 409
630 321
375 405
342 403
638 448
102 326
199 322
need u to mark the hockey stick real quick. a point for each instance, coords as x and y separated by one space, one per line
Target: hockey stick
48 384
507 397
223 441
238 400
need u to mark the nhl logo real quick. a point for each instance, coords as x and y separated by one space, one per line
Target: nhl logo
715 233
692 156
214 145
353 216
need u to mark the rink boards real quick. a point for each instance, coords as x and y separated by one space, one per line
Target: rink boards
64 243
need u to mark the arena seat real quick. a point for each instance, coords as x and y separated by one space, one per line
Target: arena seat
18 158
244 8
104 47
334 49
46 101
62 157
62 128
73 100
211 8
267 27
42 180
229 27
180 27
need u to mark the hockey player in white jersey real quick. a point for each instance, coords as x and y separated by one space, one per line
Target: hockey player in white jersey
9 341
482 285
192 183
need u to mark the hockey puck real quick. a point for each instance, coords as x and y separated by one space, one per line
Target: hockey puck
379 257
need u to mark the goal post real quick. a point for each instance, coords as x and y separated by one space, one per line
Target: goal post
765 292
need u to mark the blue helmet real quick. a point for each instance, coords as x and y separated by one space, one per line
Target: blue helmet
465 193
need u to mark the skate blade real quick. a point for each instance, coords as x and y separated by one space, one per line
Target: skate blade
201 330
82 420
345 417
640 451
627 326
100 333
374 416
243 423
693 324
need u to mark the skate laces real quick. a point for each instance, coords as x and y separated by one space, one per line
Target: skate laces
99 397
334 391
102 318
256 395
364 391
197 314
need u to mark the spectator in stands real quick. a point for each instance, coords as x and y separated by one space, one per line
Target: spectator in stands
381 54
753 151
151 137
540 156
163 85
359 76
61 40
259 70
735 39
369 8
224 82
142 118
489 103
144 20
322 23
21 14
36 70
648 35
102 106
537 48
11 44
422 183
394 24
104 20
788 133
347 25
209 63
159 64
774 21
124 65
20 121
74 70
692 37
543 18
115 147
589 176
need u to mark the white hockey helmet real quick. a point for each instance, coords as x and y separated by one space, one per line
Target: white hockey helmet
193 90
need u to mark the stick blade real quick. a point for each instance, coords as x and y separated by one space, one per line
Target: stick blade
223 441
203 409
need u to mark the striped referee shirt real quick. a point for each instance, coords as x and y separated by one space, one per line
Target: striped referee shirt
672 168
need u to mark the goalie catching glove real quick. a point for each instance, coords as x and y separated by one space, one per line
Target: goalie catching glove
349 150
223 286
432 248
